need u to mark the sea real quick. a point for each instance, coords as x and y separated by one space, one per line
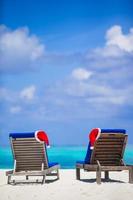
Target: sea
66 156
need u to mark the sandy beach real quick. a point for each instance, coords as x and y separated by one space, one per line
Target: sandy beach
68 188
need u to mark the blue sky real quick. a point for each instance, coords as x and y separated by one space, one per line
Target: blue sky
66 67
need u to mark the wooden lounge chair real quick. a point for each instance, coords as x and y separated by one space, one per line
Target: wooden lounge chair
106 156
30 159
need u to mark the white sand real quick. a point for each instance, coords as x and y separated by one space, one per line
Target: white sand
68 188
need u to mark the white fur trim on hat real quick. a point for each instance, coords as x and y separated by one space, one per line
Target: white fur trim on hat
99 133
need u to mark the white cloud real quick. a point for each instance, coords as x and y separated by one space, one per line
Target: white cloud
107 52
96 93
15 109
81 74
28 93
19 50
117 45
12 96
115 37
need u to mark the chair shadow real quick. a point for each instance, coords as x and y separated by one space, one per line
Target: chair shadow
102 181
51 181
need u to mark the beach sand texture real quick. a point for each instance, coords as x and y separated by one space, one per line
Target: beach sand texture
68 188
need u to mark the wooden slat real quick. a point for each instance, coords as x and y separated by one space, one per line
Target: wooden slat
113 140
29 164
107 157
110 143
25 142
108 152
107 160
30 160
18 142
28 167
110 135
30 151
108 149
25 156
27 147
29 154
24 139
107 138
108 168
29 157
97 149
22 164
109 163
28 173
108 146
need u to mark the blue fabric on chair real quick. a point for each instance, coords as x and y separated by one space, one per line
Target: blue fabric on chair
87 157
51 164
113 131
88 154
22 135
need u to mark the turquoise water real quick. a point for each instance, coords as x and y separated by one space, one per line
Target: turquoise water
65 156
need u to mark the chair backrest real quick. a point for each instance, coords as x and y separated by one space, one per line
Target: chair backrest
109 149
30 155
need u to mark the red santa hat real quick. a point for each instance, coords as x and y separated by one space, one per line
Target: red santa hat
93 136
41 137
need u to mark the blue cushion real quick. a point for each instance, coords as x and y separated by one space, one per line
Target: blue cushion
51 164
22 135
113 131
88 154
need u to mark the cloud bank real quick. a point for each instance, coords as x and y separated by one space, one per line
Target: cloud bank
19 50
103 84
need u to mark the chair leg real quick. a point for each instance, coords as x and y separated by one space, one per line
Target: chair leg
27 177
43 180
131 174
9 180
58 174
106 175
98 176
77 173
